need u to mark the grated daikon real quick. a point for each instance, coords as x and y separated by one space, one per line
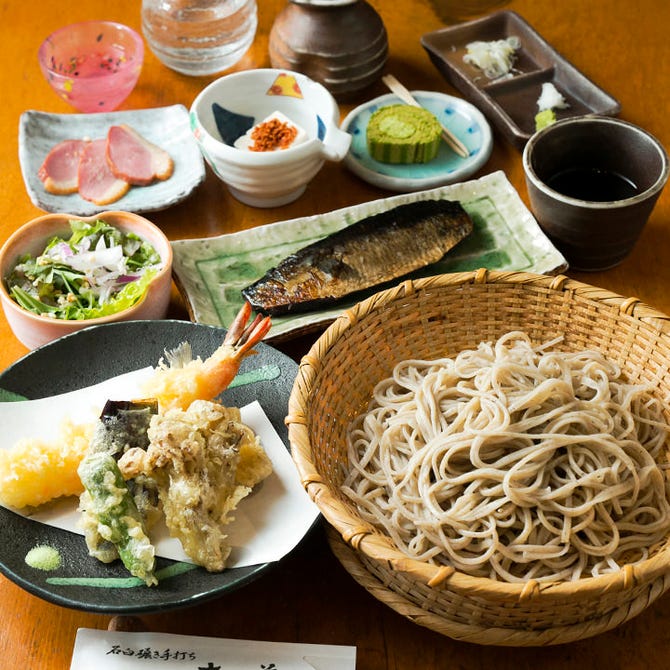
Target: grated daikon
494 58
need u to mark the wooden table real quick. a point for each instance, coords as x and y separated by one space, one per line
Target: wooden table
308 597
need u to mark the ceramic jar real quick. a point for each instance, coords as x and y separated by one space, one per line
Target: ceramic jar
342 44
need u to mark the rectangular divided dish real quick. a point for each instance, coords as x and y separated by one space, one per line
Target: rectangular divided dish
510 102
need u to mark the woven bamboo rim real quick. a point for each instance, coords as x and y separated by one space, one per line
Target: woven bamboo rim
416 612
472 306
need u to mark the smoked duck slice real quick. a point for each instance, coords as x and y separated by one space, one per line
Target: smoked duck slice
60 169
97 182
134 159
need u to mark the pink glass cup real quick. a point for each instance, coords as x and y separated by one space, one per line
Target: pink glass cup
93 65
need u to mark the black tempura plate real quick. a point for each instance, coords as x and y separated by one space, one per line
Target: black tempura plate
88 357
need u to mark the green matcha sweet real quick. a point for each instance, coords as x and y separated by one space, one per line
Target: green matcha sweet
403 134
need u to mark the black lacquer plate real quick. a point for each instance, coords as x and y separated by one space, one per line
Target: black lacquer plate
88 357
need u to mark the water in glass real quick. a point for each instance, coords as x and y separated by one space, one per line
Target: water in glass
199 37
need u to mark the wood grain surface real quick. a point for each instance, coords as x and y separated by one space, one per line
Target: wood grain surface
308 597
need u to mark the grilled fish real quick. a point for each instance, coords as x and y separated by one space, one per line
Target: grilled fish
369 252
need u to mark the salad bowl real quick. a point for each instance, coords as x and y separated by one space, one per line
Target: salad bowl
127 295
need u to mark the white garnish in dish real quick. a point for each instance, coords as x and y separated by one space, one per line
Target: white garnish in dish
551 98
494 58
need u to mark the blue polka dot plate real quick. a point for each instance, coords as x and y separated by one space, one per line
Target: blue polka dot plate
463 119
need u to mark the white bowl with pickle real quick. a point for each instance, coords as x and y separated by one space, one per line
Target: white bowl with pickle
61 273
266 133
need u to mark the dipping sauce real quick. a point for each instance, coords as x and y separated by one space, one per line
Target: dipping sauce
592 184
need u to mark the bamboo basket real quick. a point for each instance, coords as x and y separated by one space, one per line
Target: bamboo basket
441 316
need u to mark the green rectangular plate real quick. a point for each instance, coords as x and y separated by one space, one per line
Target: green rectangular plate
212 271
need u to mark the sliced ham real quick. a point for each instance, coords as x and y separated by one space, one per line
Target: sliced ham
134 159
59 171
97 182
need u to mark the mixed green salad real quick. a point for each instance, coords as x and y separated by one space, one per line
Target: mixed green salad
98 270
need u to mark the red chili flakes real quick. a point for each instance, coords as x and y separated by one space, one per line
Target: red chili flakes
271 135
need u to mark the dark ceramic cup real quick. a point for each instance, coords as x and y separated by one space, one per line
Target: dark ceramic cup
592 183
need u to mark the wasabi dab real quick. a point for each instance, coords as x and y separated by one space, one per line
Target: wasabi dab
550 100
544 118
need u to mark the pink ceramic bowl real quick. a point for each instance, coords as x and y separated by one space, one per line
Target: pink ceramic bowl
34 330
93 65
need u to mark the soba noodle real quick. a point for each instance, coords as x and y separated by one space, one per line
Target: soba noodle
513 462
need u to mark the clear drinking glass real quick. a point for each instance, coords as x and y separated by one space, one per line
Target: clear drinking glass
199 37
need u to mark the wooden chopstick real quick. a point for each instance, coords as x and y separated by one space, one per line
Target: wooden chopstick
396 87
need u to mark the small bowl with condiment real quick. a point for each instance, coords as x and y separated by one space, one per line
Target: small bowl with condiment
266 133
82 281
592 182
92 65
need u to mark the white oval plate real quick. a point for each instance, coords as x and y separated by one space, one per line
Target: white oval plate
462 118
167 127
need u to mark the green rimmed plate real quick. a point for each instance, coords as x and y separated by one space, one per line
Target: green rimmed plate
212 271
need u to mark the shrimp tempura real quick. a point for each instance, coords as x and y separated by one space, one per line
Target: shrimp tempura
180 379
